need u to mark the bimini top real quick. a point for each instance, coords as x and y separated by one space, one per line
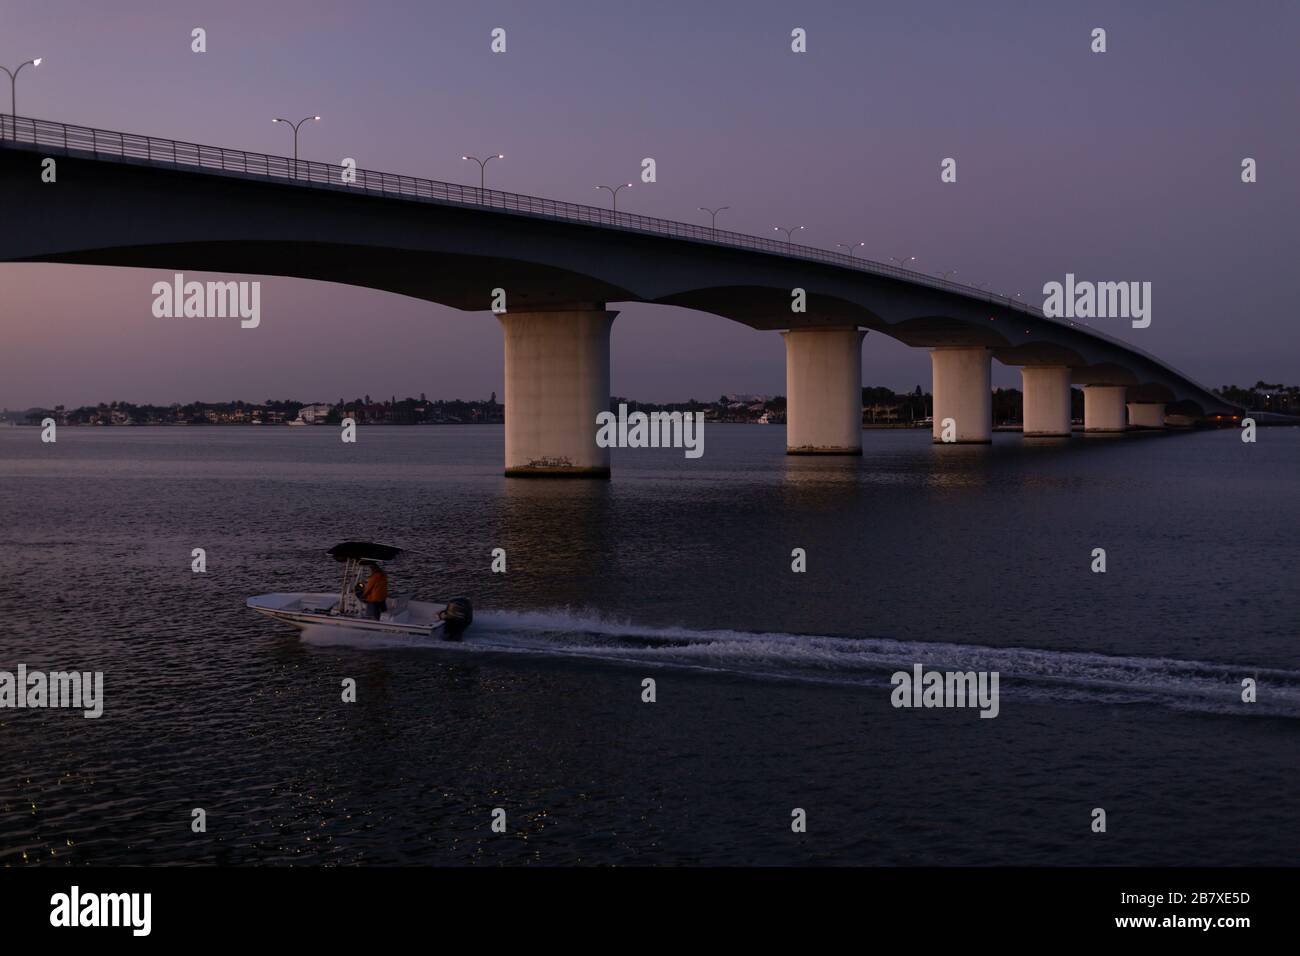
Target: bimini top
363 551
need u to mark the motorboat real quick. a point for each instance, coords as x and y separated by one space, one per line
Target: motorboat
446 620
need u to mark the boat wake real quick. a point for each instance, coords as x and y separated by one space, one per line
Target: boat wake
1026 673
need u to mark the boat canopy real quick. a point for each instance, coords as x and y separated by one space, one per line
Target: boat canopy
363 551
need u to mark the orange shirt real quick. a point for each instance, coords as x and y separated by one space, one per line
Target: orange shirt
376 586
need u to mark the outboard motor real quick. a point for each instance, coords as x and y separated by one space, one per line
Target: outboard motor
459 614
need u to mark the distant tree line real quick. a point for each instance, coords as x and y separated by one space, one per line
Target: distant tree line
407 411
1263 397
880 405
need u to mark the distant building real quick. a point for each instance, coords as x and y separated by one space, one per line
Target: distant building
882 412
314 414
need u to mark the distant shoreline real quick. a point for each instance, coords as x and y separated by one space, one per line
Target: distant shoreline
719 421
243 424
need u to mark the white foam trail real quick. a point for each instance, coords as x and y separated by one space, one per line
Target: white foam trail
1031 672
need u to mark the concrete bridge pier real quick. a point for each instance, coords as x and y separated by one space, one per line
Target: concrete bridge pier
1103 408
823 388
1146 414
557 381
1047 400
963 391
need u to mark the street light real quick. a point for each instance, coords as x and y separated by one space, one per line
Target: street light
614 191
944 275
713 213
902 263
482 167
789 233
13 88
851 246
295 137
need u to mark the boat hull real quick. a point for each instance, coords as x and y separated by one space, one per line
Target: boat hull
303 610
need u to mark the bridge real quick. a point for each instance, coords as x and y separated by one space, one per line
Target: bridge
124 199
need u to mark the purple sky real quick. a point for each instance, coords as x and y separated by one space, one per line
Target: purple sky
1115 166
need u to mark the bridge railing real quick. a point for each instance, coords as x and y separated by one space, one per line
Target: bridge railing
310 173
306 172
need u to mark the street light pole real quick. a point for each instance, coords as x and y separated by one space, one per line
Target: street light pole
482 167
789 233
851 246
713 213
944 275
614 191
295 137
13 88
902 263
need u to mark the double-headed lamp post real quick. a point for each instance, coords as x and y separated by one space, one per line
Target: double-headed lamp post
902 263
944 275
789 233
482 167
850 246
13 87
713 213
314 119
614 191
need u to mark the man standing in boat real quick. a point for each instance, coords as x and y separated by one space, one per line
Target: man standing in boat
375 592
